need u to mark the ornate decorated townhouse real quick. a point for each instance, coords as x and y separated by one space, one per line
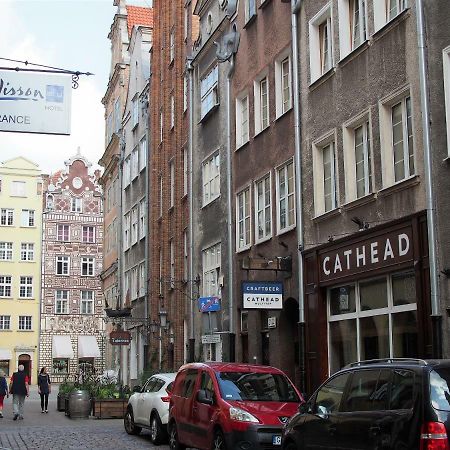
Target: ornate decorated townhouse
72 329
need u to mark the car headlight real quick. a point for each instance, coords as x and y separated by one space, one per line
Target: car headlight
242 416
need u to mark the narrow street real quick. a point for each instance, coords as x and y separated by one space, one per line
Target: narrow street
55 431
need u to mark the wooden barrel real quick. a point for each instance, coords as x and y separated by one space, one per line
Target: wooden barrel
79 405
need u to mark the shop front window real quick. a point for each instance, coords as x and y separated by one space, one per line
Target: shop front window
373 319
86 366
60 366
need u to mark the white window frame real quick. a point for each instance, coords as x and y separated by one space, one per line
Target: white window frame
62 262
18 189
61 301
7 217
243 219
6 251
161 195
161 125
250 9
89 262
211 178
242 120
26 286
282 172
185 93
142 217
26 251
347 30
5 322
172 263
211 264
172 111
134 225
25 323
90 237
87 302
381 12
446 68
264 209
186 255
126 231
135 111
135 162
318 171
316 62
76 205
172 45
143 153
5 286
209 95
261 110
172 183
62 227
283 83
28 218
185 170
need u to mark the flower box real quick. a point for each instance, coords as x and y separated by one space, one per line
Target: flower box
110 408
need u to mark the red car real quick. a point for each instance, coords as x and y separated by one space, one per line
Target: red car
230 406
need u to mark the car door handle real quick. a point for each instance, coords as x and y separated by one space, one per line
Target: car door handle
375 429
332 430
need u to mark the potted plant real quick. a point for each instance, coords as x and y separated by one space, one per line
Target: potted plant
65 388
110 401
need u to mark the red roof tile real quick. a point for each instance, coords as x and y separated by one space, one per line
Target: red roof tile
139 15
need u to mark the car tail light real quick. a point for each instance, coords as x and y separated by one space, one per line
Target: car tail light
433 436
165 399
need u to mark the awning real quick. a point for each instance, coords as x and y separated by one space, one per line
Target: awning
88 347
5 354
62 347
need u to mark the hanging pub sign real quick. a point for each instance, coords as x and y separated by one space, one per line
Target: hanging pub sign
35 102
120 337
262 295
208 304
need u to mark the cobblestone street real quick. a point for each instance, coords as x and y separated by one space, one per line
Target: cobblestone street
54 431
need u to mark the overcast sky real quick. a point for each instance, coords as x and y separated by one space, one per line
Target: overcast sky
70 34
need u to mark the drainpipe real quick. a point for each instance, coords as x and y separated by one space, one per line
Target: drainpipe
190 69
232 354
436 315
295 5
120 243
147 221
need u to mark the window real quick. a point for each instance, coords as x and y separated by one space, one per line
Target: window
62 265
263 209
329 397
283 83
50 203
25 323
211 179
76 205
161 124
26 287
211 270
87 302
126 232
172 183
7 217
286 197
172 44
62 302
321 43
27 218
127 171
142 279
243 236
135 110
143 153
160 195
109 128
117 116
325 192
142 215
185 170
5 285
352 25
18 189
160 272
385 11
261 89
134 283
172 264
185 93
6 251
208 91
242 123
362 160
446 65
63 233
5 322
373 319
60 366
135 163
88 233
185 255
26 251
172 111
134 225
87 266
250 9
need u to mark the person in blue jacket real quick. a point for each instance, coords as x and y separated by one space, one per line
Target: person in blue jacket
3 391
44 388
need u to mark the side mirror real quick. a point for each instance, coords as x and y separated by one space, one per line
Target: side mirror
322 411
202 397
137 389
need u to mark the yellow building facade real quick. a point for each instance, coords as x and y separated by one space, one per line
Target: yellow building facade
20 265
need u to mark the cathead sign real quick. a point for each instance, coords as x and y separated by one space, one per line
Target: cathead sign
262 295
35 102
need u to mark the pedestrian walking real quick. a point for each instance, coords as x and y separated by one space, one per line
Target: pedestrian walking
44 388
3 391
19 388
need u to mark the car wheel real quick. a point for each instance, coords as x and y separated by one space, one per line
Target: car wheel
128 422
173 439
219 441
156 429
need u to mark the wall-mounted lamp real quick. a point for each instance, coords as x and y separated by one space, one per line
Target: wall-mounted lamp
163 318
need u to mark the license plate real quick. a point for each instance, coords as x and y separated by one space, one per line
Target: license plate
276 439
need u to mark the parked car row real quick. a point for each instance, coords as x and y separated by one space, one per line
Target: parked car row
399 404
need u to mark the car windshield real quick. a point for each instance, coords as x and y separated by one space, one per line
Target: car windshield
440 388
255 386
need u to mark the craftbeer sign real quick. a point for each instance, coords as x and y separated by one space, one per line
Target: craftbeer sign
381 251
35 102
120 337
262 295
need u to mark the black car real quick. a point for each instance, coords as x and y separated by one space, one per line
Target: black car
398 404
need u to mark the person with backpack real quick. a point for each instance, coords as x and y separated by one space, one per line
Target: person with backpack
44 388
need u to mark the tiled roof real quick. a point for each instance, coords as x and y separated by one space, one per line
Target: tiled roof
139 15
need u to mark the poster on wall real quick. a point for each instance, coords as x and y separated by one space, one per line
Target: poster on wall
33 102
262 295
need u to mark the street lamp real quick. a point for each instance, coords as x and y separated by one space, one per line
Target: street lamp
163 318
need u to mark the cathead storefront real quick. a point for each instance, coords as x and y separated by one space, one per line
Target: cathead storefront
367 296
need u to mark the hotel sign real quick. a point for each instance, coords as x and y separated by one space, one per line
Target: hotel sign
381 251
120 337
35 102
262 295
